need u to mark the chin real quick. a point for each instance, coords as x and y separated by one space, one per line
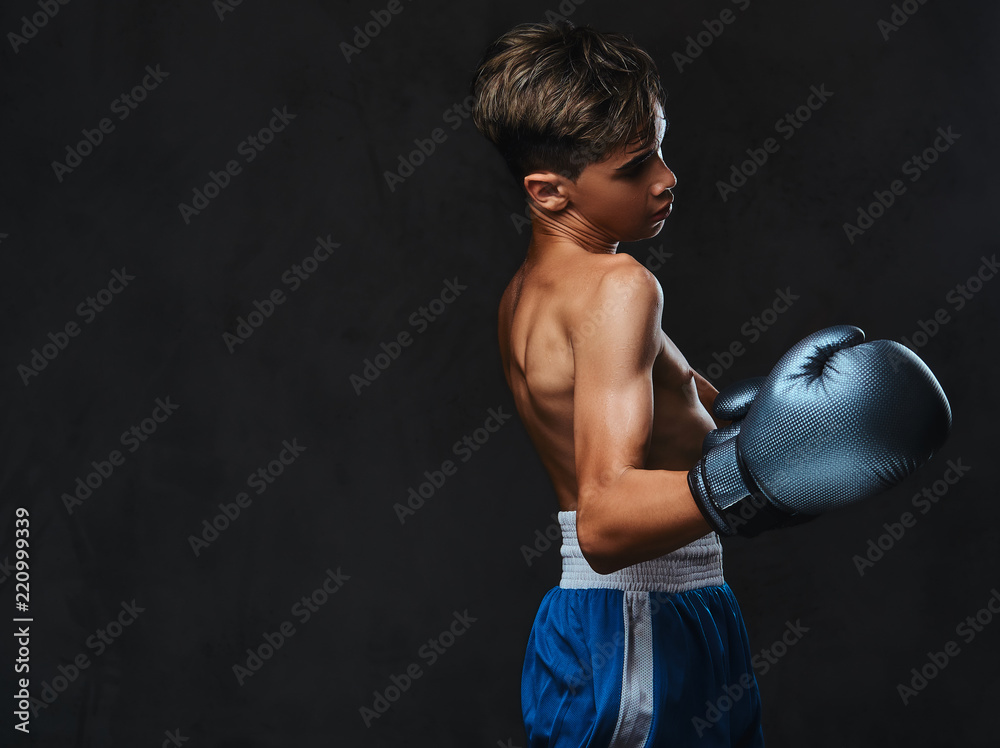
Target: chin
637 232
649 232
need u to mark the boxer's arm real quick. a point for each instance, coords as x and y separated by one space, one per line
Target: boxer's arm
625 513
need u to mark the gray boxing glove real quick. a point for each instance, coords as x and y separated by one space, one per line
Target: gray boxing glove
836 421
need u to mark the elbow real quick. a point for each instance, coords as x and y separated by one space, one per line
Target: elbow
596 543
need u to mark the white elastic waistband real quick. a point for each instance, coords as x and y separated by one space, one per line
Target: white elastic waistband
697 564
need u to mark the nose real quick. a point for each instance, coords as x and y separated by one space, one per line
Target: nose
667 180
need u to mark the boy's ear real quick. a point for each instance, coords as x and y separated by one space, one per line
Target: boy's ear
547 189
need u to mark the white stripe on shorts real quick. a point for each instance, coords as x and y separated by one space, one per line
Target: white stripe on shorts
635 713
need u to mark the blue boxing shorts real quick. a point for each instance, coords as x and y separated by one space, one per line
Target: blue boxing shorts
655 654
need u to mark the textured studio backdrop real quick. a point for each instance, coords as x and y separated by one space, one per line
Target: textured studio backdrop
274 488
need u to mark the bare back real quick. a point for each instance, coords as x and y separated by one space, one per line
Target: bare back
549 303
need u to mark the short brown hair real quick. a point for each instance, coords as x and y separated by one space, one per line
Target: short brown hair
557 97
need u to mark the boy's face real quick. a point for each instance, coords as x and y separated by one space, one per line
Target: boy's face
626 197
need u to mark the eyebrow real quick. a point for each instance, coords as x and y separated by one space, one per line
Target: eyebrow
636 160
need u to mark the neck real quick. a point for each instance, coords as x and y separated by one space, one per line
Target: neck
566 231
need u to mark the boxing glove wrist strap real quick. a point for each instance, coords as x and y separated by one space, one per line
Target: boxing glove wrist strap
730 500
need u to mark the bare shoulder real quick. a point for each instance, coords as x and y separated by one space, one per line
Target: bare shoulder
621 285
625 278
618 313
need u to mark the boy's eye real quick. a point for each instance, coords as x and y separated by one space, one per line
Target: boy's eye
634 171
640 167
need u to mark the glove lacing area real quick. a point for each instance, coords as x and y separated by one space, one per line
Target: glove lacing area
730 499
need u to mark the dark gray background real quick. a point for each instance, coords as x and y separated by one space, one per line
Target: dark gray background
333 507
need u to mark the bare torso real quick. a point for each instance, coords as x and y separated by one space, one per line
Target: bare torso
544 301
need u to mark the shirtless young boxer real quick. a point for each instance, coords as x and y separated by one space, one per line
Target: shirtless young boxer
643 642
